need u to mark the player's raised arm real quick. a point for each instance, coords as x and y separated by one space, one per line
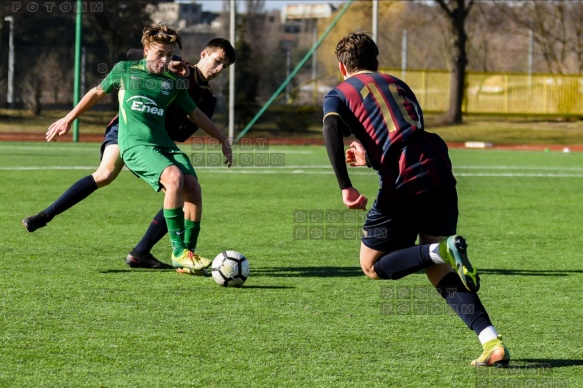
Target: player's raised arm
63 125
202 121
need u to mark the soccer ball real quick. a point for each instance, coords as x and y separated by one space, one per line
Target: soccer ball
230 269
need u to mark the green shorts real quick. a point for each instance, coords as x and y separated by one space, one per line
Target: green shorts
149 162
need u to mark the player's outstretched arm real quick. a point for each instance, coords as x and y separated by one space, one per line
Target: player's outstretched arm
202 121
63 125
181 68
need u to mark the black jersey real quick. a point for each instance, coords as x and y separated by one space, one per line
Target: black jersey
178 125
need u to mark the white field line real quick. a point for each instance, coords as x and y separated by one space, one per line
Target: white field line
487 171
78 148
44 168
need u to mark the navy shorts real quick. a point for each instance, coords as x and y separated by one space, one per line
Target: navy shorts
396 225
111 132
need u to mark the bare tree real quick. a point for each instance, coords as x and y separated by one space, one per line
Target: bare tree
457 12
557 31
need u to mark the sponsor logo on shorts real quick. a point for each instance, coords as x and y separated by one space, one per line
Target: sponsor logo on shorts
144 104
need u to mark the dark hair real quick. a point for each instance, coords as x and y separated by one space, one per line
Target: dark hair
357 51
222 44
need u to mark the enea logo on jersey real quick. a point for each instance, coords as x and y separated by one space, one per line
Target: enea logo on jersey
144 104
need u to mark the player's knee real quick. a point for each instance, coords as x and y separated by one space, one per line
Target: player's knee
369 271
104 176
172 178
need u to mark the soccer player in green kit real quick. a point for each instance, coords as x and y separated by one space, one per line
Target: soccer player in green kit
146 88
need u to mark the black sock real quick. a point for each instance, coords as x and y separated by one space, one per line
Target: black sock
466 304
74 194
157 229
403 262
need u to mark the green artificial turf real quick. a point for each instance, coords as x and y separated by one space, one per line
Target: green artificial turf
72 314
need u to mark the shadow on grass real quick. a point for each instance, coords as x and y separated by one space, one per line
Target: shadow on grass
245 286
138 270
527 272
317 272
545 365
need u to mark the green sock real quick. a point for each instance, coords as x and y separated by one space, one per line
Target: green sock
175 221
191 231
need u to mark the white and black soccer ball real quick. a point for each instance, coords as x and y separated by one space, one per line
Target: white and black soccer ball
230 269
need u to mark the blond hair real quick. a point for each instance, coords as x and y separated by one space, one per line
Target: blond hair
159 33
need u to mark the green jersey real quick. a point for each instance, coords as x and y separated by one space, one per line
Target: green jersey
143 100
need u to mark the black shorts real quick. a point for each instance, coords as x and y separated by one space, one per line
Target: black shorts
397 226
111 133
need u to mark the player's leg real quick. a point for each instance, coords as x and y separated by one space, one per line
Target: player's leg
388 249
172 180
469 308
159 169
140 256
109 168
192 211
442 217
174 212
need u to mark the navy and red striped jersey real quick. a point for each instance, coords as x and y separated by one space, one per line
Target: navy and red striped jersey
382 112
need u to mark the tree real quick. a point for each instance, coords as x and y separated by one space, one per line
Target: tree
557 30
39 30
118 25
359 18
457 12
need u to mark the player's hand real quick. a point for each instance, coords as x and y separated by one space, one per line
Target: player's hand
180 68
356 155
353 199
228 152
59 127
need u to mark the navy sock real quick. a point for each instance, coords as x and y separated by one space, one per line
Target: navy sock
403 262
74 194
157 229
466 304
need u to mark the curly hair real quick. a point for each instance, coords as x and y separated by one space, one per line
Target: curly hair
357 51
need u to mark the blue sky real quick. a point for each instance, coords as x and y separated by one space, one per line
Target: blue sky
217 5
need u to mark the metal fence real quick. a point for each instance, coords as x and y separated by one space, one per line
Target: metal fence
499 93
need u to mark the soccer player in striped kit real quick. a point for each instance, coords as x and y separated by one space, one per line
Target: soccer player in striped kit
417 196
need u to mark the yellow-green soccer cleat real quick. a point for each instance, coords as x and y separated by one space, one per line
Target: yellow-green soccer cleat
453 252
190 260
193 272
495 354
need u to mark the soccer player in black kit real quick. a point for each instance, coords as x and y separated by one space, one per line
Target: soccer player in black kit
215 57
417 196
